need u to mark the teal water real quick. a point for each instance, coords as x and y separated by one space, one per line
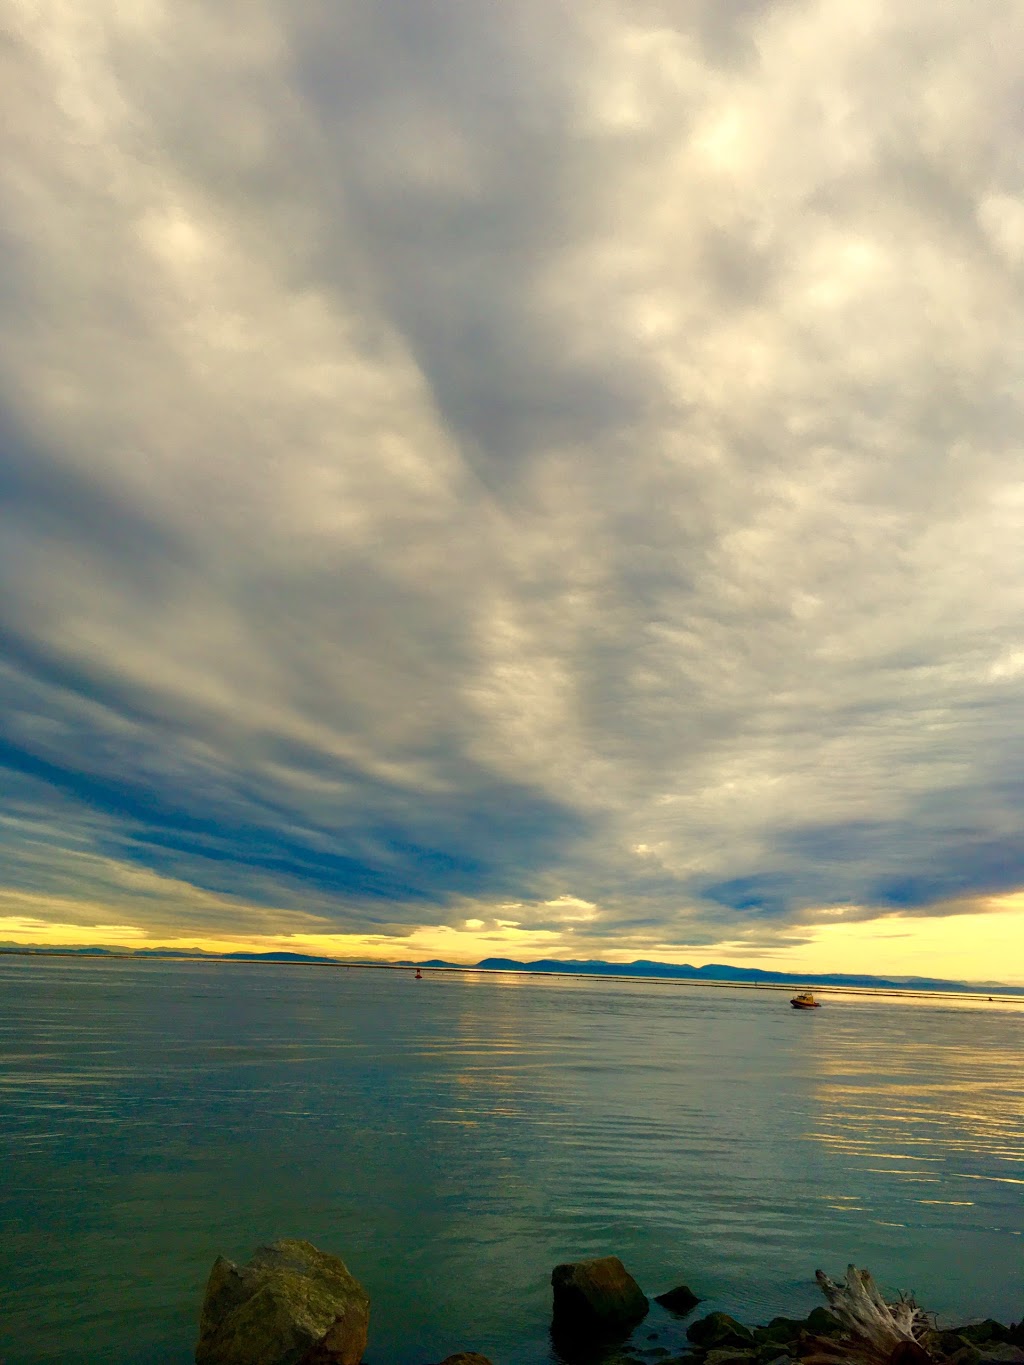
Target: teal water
452 1139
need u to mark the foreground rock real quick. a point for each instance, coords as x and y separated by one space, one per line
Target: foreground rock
594 1298
290 1305
858 1328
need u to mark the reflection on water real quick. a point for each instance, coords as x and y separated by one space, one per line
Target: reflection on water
454 1138
926 1113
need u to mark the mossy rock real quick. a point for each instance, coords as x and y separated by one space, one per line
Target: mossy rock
983 1333
730 1355
719 1330
821 1323
290 1305
943 1344
770 1351
967 1354
595 1297
780 1331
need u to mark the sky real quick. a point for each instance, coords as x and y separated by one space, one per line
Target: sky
524 480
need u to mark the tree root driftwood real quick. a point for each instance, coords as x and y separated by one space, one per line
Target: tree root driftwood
877 1333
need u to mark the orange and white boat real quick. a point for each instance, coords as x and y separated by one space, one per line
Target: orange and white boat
805 1001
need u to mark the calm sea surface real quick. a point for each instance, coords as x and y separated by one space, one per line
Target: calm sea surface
453 1138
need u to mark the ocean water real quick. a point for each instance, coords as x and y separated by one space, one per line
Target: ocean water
454 1138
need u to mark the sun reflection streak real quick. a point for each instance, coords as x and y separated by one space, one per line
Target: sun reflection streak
904 1111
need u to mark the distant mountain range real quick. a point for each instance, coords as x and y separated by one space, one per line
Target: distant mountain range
720 971
665 971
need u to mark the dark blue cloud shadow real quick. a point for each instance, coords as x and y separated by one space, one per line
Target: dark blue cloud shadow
483 841
897 865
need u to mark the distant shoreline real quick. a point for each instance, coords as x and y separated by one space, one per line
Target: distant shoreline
1006 996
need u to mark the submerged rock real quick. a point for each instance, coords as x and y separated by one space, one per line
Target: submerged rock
466 1358
290 1305
681 1300
593 1297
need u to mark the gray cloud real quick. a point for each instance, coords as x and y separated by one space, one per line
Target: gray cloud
453 456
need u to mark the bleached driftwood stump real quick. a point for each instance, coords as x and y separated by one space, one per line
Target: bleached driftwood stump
879 1332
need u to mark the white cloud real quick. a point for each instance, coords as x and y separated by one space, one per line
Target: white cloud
460 461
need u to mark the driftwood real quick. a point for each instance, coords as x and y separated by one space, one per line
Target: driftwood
878 1333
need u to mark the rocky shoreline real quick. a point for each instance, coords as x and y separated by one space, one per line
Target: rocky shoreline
293 1304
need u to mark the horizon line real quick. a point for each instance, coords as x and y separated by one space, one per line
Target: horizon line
936 987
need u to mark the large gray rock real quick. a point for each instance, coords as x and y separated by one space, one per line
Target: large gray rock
595 1297
291 1305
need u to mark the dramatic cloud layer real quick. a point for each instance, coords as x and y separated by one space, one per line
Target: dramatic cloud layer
557 467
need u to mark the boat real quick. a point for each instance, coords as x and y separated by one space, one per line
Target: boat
805 1001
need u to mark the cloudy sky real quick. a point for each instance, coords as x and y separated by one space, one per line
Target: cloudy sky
537 479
